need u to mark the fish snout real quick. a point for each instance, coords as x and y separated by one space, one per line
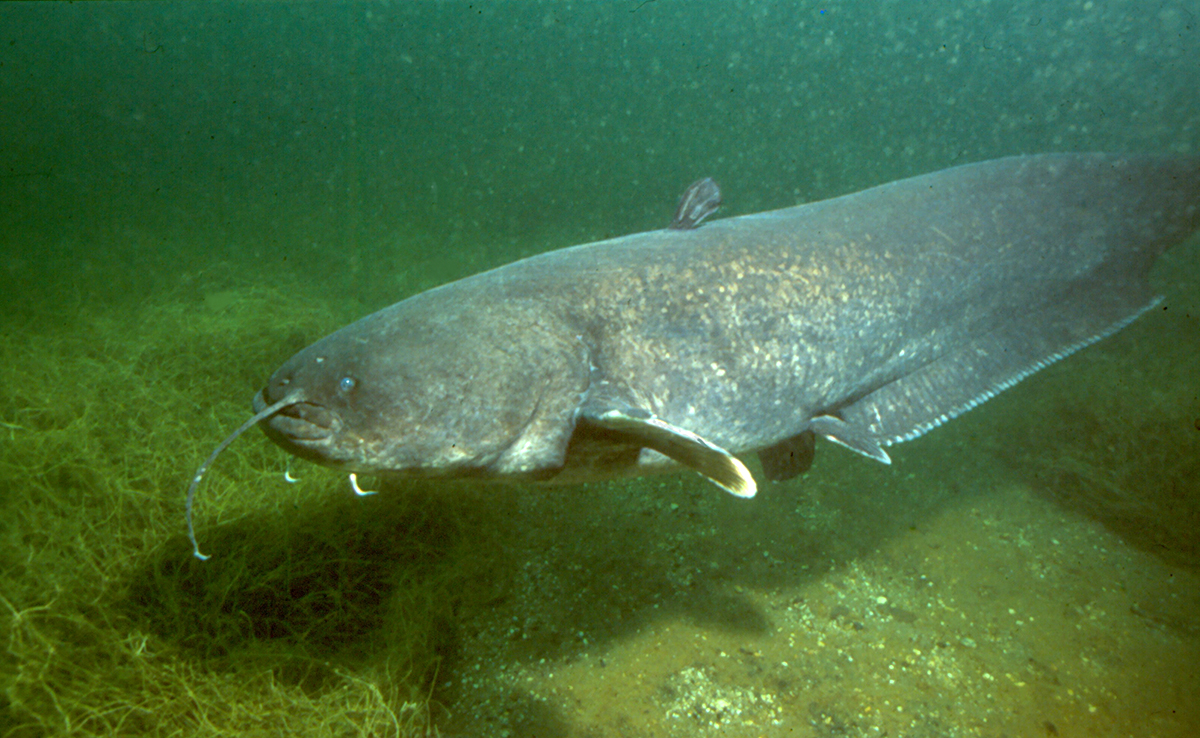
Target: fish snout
302 422
296 423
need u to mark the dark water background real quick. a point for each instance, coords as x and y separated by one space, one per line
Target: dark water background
350 142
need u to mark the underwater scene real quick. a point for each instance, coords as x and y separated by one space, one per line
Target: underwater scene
193 192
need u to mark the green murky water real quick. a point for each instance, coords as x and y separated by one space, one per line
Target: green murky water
191 192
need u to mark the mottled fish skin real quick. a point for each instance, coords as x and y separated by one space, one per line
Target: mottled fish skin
883 312
701 199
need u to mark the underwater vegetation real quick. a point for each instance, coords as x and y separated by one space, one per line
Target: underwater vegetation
317 616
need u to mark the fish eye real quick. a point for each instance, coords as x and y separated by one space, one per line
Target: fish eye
345 384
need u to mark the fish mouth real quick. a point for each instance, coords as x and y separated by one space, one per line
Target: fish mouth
297 427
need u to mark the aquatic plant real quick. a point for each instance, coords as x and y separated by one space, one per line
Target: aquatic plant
321 614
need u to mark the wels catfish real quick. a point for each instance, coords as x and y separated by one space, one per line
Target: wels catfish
867 320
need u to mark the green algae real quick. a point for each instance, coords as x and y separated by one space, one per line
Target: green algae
320 613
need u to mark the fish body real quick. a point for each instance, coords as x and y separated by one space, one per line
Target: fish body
866 319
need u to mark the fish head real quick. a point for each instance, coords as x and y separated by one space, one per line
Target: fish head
429 388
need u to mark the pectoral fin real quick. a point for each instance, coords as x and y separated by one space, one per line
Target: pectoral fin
648 431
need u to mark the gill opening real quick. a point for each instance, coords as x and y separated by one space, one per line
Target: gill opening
191 492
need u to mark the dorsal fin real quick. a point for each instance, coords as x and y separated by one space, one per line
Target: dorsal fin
700 200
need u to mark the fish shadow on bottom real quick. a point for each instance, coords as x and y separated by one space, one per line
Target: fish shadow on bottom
406 576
